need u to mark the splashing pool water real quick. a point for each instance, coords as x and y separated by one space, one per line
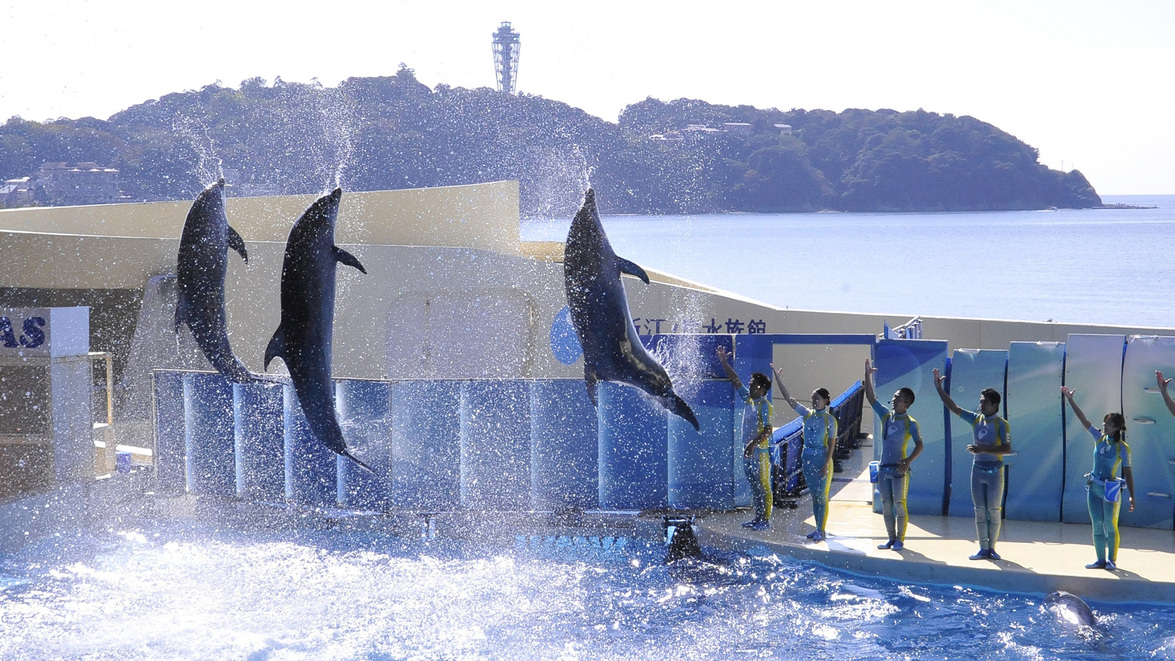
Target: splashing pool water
184 592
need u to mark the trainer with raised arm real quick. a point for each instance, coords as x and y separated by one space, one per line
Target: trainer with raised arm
1163 383
757 431
893 476
993 440
820 429
1104 498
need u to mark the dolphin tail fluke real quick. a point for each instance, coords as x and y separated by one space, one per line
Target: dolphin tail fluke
678 407
276 348
347 453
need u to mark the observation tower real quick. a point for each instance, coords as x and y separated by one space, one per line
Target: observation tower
506 45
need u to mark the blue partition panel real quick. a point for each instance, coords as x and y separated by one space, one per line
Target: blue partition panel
908 363
169 431
495 445
752 353
208 434
700 471
564 446
972 371
1093 368
1036 474
1150 431
634 433
259 434
426 445
311 472
364 410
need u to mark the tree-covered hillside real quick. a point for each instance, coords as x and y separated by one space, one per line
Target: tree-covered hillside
682 156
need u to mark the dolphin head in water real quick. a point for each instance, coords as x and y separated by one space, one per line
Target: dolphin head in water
1070 609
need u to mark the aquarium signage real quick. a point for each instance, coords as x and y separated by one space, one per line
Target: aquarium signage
29 332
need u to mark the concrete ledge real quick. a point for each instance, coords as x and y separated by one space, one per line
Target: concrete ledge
1037 558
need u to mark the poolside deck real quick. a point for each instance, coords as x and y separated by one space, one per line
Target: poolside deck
1036 557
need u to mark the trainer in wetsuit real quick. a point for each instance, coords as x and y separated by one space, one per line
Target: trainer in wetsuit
993 440
757 430
820 428
1110 453
898 428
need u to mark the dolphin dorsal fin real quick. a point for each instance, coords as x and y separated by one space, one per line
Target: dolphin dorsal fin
344 257
276 348
237 243
632 269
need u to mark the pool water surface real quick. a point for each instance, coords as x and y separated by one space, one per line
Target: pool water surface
184 591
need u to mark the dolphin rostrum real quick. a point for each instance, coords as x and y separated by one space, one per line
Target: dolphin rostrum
612 351
303 338
200 270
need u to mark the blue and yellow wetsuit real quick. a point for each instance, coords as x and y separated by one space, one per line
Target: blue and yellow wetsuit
756 417
819 433
896 433
987 475
1108 457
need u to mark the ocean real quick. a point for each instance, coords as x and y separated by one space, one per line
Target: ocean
1097 266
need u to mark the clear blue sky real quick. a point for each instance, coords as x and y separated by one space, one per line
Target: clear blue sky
1087 83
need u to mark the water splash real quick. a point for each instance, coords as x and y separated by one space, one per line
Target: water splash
684 362
188 591
209 168
336 115
554 180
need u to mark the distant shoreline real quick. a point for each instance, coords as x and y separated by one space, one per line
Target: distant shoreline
1122 205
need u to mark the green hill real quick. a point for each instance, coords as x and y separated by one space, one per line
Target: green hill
684 156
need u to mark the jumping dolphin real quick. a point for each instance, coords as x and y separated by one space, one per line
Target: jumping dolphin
200 270
303 338
612 351
1071 609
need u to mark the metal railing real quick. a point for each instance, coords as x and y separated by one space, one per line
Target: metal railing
787 441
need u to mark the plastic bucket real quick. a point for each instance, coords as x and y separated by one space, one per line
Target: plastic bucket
1114 490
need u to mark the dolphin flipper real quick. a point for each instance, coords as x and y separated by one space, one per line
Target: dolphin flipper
677 406
237 243
276 348
632 269
344 257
